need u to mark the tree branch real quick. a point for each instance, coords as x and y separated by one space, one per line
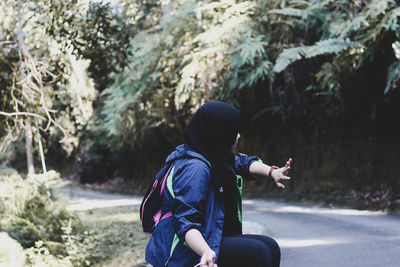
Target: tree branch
11 114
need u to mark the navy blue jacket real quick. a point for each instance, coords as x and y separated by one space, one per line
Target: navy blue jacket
195 198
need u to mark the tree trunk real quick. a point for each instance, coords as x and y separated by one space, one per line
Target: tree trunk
41 148
28 146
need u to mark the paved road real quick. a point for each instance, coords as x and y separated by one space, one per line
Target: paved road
311 236
308 236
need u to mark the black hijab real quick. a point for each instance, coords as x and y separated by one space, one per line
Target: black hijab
211 132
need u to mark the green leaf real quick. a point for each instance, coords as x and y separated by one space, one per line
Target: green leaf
291 55
393 76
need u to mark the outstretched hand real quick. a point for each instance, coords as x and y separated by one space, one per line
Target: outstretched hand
280 175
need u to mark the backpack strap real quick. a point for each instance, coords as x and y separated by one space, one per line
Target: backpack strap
165 180
157 217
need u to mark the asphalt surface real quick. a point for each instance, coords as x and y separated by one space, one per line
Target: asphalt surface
312 236
308 236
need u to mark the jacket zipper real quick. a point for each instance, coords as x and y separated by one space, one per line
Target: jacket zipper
166 264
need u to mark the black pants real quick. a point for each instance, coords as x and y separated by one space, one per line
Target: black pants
249 250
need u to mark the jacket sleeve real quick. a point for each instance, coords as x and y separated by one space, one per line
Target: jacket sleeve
191 184
242 165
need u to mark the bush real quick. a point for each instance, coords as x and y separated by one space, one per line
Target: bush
22 230
33 219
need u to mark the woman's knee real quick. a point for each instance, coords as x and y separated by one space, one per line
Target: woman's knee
264 255
242 251
272 246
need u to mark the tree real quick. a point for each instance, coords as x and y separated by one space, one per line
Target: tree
39 73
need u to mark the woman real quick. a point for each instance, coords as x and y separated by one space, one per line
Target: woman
204 196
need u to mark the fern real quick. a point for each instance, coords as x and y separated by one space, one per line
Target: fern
377 8
291 55
392 21
388 21
396 49
287 57
246 53
259 73
355 25
393 75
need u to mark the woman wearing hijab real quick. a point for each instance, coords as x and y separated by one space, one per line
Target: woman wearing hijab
204 196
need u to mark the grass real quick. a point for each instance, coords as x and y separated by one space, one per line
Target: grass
117 234
121 241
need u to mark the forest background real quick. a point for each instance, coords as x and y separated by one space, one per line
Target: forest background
105 89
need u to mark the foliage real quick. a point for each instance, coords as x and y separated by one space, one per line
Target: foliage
39 255
96 32
362 24
212 50
394 69
178 64
44 80
39 231
32 217
323 47
53 52
289 60
125 77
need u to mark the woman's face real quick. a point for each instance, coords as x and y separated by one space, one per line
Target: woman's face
235 143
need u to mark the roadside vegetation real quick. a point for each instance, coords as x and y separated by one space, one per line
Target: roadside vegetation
36 229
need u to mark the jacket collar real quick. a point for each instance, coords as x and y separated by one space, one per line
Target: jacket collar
184 151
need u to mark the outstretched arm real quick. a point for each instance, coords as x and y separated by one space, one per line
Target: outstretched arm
279 175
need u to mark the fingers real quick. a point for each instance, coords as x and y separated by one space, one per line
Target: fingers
206 264
288 163
282 175
280 185
207 260
287 168
280 179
